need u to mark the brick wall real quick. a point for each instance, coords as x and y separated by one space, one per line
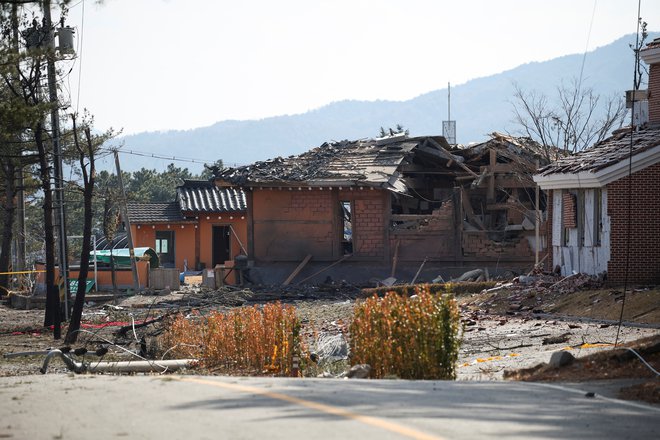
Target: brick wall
309 204
569 211
369 226
654 93
477 244
289 224
644 263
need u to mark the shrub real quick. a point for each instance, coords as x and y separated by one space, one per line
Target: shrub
409 337
248 340
455 288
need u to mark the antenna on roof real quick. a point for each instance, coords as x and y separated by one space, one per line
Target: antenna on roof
449 126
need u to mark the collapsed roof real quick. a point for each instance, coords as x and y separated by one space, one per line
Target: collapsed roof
380 162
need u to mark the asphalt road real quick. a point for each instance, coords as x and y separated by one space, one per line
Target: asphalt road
56 406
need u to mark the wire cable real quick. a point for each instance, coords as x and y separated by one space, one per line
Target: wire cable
586 47
158 156
630 156
80 53
643 360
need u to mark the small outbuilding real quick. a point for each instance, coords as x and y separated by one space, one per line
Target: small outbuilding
205 226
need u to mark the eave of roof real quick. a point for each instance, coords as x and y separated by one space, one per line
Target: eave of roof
599 177
148 213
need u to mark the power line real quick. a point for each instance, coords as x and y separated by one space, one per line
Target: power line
586 47
158 156
80 48
630 178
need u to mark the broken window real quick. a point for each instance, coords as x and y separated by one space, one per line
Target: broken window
580 213
598 212
346 226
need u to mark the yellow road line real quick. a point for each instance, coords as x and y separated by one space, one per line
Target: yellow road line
321 407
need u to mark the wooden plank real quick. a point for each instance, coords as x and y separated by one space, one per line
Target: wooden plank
490 192
325 268
395 259
410 217
419 271
469 211
302 264
441 152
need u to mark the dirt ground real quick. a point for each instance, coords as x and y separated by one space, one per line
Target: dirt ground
508 329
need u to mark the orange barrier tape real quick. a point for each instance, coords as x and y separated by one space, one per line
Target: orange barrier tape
23 271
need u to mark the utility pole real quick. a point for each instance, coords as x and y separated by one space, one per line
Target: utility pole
20 240
60 217
127 222
20 193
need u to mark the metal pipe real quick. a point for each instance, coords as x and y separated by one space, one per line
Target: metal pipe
70 363
140 366
118 367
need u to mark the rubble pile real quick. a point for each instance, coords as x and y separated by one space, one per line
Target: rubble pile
526 294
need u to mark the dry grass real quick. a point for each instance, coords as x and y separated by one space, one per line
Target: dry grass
247 340
408 337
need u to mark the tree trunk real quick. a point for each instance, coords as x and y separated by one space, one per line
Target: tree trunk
9 174
52 316
88 193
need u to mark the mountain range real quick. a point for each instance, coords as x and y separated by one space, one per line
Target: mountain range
480 106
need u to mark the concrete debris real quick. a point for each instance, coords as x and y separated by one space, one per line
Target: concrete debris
557 339
360 371
331 348
561 358
472 275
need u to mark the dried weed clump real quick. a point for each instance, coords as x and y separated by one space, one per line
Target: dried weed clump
407 337
247 340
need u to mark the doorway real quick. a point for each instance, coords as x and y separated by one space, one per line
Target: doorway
165 248
346 227
221 244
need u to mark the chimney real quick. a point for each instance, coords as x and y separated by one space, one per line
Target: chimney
651 56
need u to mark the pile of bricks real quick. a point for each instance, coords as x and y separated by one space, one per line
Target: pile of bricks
478 244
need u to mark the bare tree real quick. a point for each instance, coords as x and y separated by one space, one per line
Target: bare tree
88 170
576 119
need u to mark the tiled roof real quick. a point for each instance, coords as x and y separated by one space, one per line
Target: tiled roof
375 162
606 153
155 213
363 162
204 196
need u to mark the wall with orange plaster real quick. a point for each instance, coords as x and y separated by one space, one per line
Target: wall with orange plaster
206 222
144 235
123 276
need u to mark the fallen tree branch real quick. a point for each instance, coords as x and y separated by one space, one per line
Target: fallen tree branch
121 331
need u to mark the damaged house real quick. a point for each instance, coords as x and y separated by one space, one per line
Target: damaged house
395 201
605 200
205 226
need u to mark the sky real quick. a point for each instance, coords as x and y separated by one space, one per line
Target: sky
151 65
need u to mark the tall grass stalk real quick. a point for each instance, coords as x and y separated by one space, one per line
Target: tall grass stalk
408 337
